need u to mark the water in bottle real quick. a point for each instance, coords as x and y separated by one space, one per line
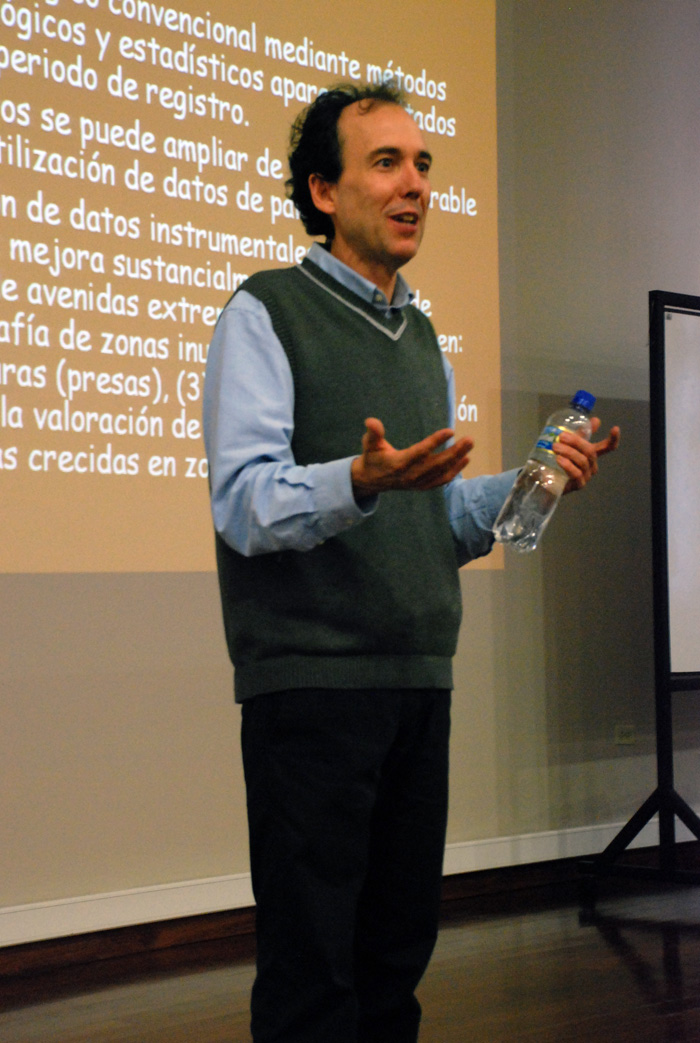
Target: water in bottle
536 491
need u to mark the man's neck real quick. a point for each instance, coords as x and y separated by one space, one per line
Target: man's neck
378 274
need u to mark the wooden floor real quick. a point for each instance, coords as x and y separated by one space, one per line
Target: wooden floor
535 974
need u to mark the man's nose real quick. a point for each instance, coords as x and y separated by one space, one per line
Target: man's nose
413 182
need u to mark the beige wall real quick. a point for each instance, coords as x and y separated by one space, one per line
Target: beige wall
118 748
599 164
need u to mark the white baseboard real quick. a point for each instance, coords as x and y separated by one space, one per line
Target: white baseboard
65 917
520 850
60 919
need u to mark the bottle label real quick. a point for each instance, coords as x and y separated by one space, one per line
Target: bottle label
549 436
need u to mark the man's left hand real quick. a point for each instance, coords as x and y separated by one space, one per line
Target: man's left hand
579 457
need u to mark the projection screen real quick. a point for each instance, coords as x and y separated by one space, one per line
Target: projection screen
142 179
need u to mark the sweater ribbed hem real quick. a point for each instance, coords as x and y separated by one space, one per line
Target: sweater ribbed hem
383 671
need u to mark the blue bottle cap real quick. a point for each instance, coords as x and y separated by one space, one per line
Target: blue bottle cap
584 400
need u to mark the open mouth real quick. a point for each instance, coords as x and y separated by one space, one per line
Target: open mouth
406 219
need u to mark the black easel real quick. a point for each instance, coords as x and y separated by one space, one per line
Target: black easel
664 801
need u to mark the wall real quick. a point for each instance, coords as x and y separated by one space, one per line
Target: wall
599 164
132 793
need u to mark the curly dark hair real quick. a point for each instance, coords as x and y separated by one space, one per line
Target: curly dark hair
314 147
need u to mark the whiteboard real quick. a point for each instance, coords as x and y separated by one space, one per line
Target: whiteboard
683 488
675 395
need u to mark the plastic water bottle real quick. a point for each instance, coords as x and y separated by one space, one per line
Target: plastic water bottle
536 491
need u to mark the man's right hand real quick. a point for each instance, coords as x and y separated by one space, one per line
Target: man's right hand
424 465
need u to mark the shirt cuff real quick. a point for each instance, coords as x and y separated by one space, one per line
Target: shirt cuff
336 506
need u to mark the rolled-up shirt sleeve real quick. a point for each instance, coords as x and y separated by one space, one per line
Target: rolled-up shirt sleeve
261 499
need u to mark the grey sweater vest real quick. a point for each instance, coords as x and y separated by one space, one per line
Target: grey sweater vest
378 605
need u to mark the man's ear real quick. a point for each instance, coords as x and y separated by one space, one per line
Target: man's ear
322 193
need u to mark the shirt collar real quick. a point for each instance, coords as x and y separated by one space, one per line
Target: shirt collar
352 280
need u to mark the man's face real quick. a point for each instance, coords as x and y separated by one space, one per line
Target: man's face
379 204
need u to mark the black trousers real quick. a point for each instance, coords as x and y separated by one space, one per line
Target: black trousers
347 809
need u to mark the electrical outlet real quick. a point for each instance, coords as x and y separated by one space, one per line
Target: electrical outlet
625 735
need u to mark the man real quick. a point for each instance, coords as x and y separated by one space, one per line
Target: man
338 571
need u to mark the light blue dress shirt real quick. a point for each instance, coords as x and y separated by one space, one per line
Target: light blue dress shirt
263 501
